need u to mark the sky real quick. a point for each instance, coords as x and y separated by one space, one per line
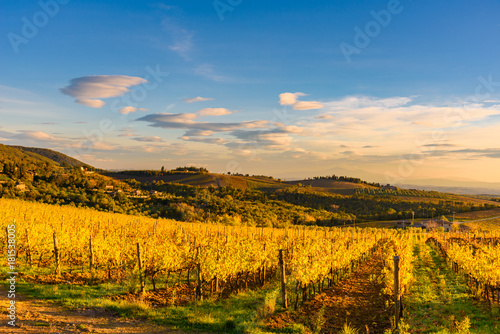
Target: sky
391 91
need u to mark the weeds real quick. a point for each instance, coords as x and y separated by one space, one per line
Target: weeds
347 329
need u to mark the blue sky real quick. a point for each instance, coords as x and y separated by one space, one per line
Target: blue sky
391 91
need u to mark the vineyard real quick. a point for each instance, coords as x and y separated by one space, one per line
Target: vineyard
176 262
478 258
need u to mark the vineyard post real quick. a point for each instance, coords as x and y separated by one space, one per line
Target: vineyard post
199 295
56 254
91 255
7 235
397 295
140 267
283 279
29 247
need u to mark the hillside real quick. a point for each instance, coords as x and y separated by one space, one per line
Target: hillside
60 158
244 182
194 194
204 180
14 154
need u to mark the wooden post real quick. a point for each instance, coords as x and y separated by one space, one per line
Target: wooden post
139 259
28 251
397 296
91 255
217 278
283 279
198 274
56 255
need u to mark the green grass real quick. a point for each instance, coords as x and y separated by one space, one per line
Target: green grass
440 302
241 313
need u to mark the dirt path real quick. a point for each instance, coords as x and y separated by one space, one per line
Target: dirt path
35 316
440 301
356 301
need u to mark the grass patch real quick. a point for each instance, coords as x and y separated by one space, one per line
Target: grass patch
242 313
440 302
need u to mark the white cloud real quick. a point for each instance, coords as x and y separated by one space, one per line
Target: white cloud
307 105
89 90
29 135
214 112
198 99
129 109
36 135
288 99
291 99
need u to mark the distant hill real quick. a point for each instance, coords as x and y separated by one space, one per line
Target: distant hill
60 158
204 180
334 186
239 181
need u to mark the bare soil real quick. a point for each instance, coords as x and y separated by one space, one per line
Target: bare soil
357 300
36 316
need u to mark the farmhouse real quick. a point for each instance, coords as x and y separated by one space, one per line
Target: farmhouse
21 186
408 223
433 224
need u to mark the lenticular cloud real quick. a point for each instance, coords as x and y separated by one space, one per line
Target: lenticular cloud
89 90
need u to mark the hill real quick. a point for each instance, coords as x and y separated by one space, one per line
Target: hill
196 195
59 158
13 154
201 179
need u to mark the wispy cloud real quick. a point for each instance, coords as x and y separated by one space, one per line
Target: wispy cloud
29 135
181 39
127 132
198 99
207 71
187 122
153 139
90 90
217 140
129 110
